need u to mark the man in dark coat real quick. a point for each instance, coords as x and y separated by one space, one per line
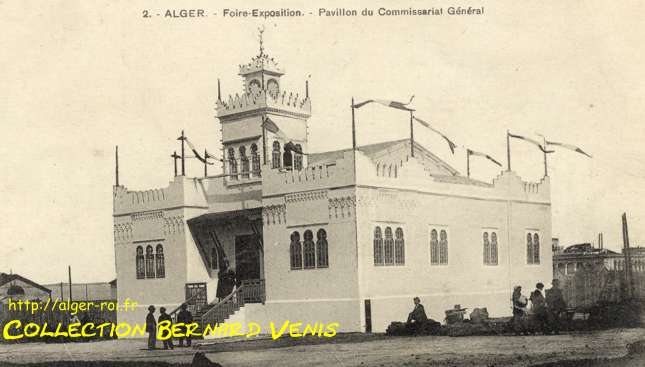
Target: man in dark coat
165 317
538 306
222 282
555 306
184 316
416 318
151 327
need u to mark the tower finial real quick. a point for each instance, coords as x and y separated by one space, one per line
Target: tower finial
260 31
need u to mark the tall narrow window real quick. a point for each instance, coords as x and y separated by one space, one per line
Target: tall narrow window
160 262
434 247
150 262
309 251
388 247
255 160
493 249
529 249
321 249
536 248
443 247
297 158
214 258
399 247
378 246
287 157
275 155
245 162
141 264
232 164
295 251
486 249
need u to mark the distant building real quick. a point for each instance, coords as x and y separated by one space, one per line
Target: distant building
95 292
16 287
572 258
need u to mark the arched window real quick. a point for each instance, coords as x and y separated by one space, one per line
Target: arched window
275 155
295 251
287 157
232 164
493 248
141 263
536 248
388 247
434 247
214 258
297 158
150 262
378 246
529 249
245 162
321 249
486 249
309 250
255 160
399 247
443 247
159 262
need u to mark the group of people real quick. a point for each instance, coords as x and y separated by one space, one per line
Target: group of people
183 316
547 309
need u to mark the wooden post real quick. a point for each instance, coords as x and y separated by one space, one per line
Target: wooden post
546 171
205 163
174 159
116 168
508 151
411 134
69 276
219 93
183 156
467 162
628 259
353 126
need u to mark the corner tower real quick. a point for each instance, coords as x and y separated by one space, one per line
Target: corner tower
264 124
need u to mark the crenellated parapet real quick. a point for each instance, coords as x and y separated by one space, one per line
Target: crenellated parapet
284 102
148 204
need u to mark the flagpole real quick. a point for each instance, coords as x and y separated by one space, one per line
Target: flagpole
205 163
183 156
411 134
174 160
508 150
468 162
353 126
546 171
116 168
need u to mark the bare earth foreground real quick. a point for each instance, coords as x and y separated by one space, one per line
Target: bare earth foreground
355 350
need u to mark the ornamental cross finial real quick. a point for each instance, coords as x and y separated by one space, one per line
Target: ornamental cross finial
260 31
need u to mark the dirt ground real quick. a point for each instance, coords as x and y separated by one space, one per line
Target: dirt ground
574 350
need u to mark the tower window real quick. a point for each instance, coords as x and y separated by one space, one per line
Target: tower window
232 164
287 157
378 246
140 261
321 249
388 247
159 262
532 248
438 246
150 262
399 247
489 239
309 251
297 158
295 251
255 159
245 162
275 155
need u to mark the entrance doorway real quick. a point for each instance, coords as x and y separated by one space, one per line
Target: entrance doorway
247 257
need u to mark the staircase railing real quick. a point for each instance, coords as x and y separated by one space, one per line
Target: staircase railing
225 308
253 291
173 313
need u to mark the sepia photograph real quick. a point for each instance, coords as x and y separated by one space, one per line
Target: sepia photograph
327 183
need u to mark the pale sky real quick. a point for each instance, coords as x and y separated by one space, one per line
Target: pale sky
79 77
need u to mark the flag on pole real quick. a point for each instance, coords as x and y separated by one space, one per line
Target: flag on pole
472 152
532 141
568 146
451 144
192 147
387 103
270 126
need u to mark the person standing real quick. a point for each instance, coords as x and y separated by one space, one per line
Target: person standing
167 343
538 306
151 328
184 316
519 310
555 306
